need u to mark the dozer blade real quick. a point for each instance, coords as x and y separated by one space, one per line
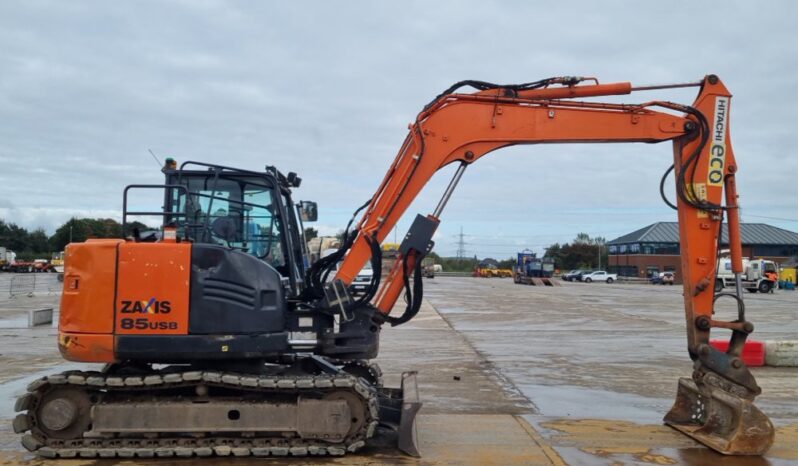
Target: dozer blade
720 420
408 434
398 410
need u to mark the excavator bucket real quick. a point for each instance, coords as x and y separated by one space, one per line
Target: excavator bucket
720 420
398 410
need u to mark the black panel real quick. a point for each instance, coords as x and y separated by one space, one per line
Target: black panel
176 348
358 338
419 237
233 292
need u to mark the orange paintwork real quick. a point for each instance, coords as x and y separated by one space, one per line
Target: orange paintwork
153 288
735 241
83 347
699 231
87 303
569 92
99 269
464 127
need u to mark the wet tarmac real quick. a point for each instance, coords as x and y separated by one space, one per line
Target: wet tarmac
509 374
600 362
597 341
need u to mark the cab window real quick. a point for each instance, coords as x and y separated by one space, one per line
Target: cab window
236 213
769 267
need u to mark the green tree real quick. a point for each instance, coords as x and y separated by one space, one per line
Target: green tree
27 245
104 228
36 244
311 233
580 256
581 253
14 237
582 238
77 230
39 242
137 225
555 251
74 230
507 263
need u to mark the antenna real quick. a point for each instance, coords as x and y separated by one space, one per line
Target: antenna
154 158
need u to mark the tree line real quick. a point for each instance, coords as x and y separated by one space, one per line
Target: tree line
581 253
37 244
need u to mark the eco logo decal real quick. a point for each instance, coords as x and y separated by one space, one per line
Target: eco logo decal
717 148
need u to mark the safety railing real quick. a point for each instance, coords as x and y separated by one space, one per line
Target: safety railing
22 285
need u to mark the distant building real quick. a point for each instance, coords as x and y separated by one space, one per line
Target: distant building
655 248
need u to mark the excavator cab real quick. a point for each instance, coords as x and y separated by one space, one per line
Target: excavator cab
240 210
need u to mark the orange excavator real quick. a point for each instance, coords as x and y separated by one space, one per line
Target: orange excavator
219 339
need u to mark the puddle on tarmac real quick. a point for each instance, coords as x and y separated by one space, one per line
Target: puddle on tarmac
695 456
601 441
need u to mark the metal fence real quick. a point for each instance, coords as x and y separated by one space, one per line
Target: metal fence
29 284
22 284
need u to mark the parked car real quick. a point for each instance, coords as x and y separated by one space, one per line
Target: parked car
600 276
572 275
363 279
663 278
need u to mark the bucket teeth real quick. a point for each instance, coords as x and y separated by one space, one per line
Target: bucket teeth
727 423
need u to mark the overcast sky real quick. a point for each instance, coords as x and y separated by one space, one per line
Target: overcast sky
326 89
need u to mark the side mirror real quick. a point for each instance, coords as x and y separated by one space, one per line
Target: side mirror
308 211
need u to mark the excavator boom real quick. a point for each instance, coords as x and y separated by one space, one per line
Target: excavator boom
715 407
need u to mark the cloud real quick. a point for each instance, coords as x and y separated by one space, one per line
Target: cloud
50 219
327 90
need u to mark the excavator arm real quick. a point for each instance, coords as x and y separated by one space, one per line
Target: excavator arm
715 406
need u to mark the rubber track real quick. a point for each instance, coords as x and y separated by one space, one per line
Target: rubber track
37 442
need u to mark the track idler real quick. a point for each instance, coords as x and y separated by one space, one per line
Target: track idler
721 415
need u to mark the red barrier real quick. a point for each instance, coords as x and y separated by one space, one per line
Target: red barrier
753 351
